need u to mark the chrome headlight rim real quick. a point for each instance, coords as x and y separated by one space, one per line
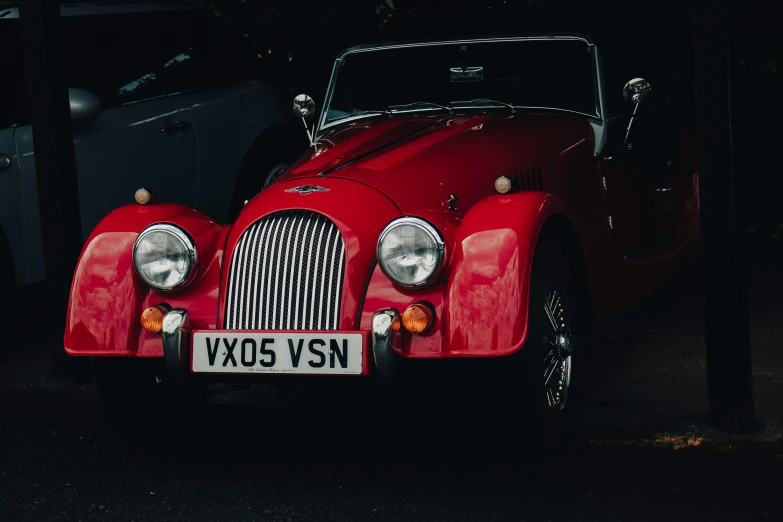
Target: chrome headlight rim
432 232
190 247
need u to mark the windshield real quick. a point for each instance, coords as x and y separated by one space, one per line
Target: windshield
554 74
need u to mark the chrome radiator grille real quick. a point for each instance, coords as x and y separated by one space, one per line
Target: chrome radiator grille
286 274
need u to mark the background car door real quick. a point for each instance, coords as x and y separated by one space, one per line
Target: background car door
141 138
13 113
638 180
11 224
216 72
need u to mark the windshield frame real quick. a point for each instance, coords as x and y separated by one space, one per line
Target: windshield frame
599 117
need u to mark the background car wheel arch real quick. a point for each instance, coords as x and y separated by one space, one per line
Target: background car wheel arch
7 282
271 147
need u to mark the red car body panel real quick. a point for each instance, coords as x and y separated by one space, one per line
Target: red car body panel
107 297
379 169
435 156
359 211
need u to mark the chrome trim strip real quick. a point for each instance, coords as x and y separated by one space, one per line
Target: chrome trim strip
307 275
315 275
329 319
254 250
233 276
323 276
425 43
299 275
258 280
242 274
340 277
293 267
283 317
430 230
244 268
176 341
279 261
323 263
254 281
240 263
261 283
269 275
327 100
600 134
382 352
187 242
326 277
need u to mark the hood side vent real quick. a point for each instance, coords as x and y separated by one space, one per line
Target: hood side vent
528 179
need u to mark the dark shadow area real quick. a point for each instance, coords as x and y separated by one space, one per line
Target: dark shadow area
640 447
351 459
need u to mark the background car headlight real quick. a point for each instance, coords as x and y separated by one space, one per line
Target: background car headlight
164 256
411 251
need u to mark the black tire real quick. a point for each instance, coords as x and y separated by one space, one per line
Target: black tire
137 392
524 404
267 158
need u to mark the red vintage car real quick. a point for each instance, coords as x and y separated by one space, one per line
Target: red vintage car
481 198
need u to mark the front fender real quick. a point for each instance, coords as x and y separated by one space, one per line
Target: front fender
481 300
486 304
107 297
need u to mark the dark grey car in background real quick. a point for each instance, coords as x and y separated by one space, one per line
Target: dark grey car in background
162 96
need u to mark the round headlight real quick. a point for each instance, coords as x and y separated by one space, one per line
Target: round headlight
411 251
165 257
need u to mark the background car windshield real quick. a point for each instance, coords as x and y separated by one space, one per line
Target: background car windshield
157 53
554 74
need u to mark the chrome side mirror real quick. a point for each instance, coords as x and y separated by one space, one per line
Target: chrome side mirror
635 92
304 107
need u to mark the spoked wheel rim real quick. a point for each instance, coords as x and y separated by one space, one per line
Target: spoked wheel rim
558 346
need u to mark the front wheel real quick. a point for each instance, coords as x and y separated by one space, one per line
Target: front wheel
534 393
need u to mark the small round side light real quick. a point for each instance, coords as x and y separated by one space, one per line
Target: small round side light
417 318
143 196
152 318
503 184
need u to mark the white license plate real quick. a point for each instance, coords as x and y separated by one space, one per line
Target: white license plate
318 353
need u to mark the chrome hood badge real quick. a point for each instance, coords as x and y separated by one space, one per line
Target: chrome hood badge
307 189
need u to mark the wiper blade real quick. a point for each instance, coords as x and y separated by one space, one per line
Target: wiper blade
419 104
360 113
485 101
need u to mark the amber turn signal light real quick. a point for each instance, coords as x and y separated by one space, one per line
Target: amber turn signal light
152 318
417 318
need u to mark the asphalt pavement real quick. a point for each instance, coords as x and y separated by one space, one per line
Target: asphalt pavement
641 449
248 460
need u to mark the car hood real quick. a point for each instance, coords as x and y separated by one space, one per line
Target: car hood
420 162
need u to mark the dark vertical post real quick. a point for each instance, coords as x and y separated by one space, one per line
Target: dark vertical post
727 331
55 164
